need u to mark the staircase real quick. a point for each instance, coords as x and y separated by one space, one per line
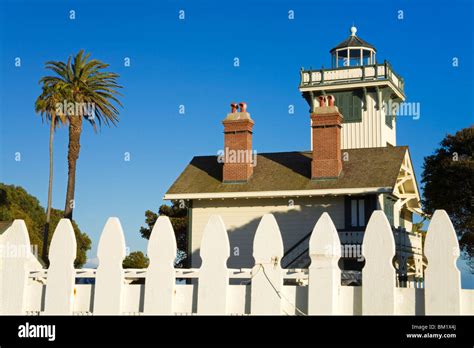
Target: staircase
298 255
408 244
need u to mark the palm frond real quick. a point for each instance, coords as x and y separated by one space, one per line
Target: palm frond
81 80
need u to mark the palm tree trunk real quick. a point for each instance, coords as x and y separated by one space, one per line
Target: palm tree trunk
50 191
75 129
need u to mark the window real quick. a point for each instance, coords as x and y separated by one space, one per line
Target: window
355 57
350 105
358 210
342 61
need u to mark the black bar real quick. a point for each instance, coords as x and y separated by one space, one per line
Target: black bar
242 330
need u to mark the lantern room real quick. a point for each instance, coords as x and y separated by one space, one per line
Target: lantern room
353 52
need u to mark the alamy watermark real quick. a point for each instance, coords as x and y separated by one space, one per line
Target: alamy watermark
18 251
347 251
237 156
410 109
28 330
83 109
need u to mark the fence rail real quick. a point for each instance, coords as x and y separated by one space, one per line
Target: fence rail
215 289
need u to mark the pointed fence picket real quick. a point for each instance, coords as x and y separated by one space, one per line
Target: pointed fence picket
213 274
324 273
212 288
442 277
15 254
378 274
109 279
267 277
160 276
61 273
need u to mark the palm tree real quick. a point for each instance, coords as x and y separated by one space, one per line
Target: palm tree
46 105
86 83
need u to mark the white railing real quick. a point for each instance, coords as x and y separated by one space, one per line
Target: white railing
404 240
215 289
407 243
362 73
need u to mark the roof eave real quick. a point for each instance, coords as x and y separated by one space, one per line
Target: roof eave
351 42
274 194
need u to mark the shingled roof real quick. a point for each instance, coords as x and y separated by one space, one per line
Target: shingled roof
353 41
291 171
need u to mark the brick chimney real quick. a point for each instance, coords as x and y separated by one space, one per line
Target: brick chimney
238 165
326 130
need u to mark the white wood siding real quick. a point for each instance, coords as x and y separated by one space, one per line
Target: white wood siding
388 134
241 218
371 131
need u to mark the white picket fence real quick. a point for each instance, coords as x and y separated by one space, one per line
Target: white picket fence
215 289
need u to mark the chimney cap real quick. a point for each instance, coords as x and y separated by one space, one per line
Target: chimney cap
241 115
243 107
238 116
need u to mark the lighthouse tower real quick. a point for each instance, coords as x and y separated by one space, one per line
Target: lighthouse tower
364 93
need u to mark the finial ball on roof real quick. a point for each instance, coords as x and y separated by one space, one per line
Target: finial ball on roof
353 31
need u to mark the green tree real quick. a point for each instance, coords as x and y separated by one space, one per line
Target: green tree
46 106
448 179
136 259
16 203
85 84
467 245
178 215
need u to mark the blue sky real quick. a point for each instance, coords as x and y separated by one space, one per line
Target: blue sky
190 62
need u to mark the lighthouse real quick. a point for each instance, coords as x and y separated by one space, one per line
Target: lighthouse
364 91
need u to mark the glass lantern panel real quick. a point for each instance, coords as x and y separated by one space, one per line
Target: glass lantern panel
342 52
354 56
366 57
342 61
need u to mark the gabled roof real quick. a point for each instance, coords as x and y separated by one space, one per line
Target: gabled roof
353 41
365 170
406 187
